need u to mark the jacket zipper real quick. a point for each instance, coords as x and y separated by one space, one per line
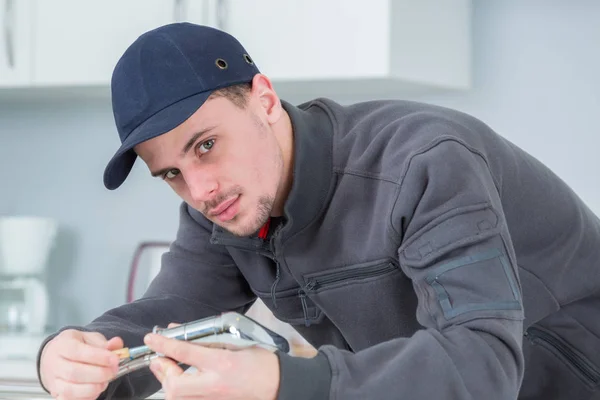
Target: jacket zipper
591 373
335 277
315 283
264 248
273 256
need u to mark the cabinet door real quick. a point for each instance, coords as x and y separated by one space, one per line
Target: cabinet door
79 42
15 42
203 12
305 39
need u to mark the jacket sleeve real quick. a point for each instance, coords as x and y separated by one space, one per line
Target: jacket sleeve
457 250
196 280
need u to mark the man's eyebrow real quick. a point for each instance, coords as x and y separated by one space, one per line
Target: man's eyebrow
194 138
185 149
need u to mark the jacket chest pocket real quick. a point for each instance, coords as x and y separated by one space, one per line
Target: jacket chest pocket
291 307
369 303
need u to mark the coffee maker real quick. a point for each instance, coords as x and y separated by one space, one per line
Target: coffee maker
25 244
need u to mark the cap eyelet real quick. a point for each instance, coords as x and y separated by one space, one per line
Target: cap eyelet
222 64
248 59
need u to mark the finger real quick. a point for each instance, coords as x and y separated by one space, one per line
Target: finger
173 325
163 367
157 371
168 366
68 390
84 353
74 372
191 385
94 339
115 343
182 351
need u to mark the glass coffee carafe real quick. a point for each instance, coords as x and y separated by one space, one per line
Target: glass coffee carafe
25 243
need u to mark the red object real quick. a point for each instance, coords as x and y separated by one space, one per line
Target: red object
264 231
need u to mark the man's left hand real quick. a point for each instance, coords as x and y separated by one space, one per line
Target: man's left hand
251 373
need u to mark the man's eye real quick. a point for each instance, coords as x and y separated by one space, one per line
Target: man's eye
204 147
171 174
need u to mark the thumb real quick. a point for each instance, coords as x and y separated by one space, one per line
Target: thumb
185 352
173 325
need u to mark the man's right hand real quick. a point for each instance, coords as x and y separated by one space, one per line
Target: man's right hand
79 365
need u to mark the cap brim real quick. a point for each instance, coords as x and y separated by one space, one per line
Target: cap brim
120 165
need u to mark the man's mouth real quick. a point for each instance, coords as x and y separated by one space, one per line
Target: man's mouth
220 210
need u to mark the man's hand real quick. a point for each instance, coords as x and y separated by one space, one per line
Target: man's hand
79 365
249 374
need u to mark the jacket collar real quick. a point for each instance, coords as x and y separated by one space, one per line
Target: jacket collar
312 173
313 166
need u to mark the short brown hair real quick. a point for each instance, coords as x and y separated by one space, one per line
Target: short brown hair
237 94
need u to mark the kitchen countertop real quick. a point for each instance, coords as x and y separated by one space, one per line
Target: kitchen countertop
25 389
14 390
21 389
18 380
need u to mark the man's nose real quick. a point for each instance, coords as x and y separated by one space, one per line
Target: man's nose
203 187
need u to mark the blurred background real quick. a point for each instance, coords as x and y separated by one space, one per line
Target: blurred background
528 68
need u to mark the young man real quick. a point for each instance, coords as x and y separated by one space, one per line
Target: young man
422 254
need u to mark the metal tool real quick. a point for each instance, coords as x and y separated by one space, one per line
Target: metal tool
228 330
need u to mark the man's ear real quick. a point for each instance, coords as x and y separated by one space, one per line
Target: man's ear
262 89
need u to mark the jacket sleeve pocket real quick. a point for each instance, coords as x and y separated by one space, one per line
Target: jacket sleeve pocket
465 270
449 231
496 288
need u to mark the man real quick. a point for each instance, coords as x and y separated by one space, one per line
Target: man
422 254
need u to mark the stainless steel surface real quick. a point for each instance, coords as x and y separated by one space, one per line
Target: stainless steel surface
9 19
229 330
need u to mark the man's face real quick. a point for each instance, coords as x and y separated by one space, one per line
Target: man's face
224 161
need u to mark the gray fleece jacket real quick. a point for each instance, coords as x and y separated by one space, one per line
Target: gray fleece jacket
425 256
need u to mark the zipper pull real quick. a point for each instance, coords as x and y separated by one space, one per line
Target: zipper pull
274 285
311 285
302 295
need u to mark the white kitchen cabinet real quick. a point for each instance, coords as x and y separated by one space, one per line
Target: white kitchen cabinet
79 42
350 47
343 49
15 42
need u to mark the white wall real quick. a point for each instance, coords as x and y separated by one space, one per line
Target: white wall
53 157
537 82
537 72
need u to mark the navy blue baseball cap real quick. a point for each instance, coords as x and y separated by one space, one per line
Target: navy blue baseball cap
163 78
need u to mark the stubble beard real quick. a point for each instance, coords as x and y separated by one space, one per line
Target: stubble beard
263 212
